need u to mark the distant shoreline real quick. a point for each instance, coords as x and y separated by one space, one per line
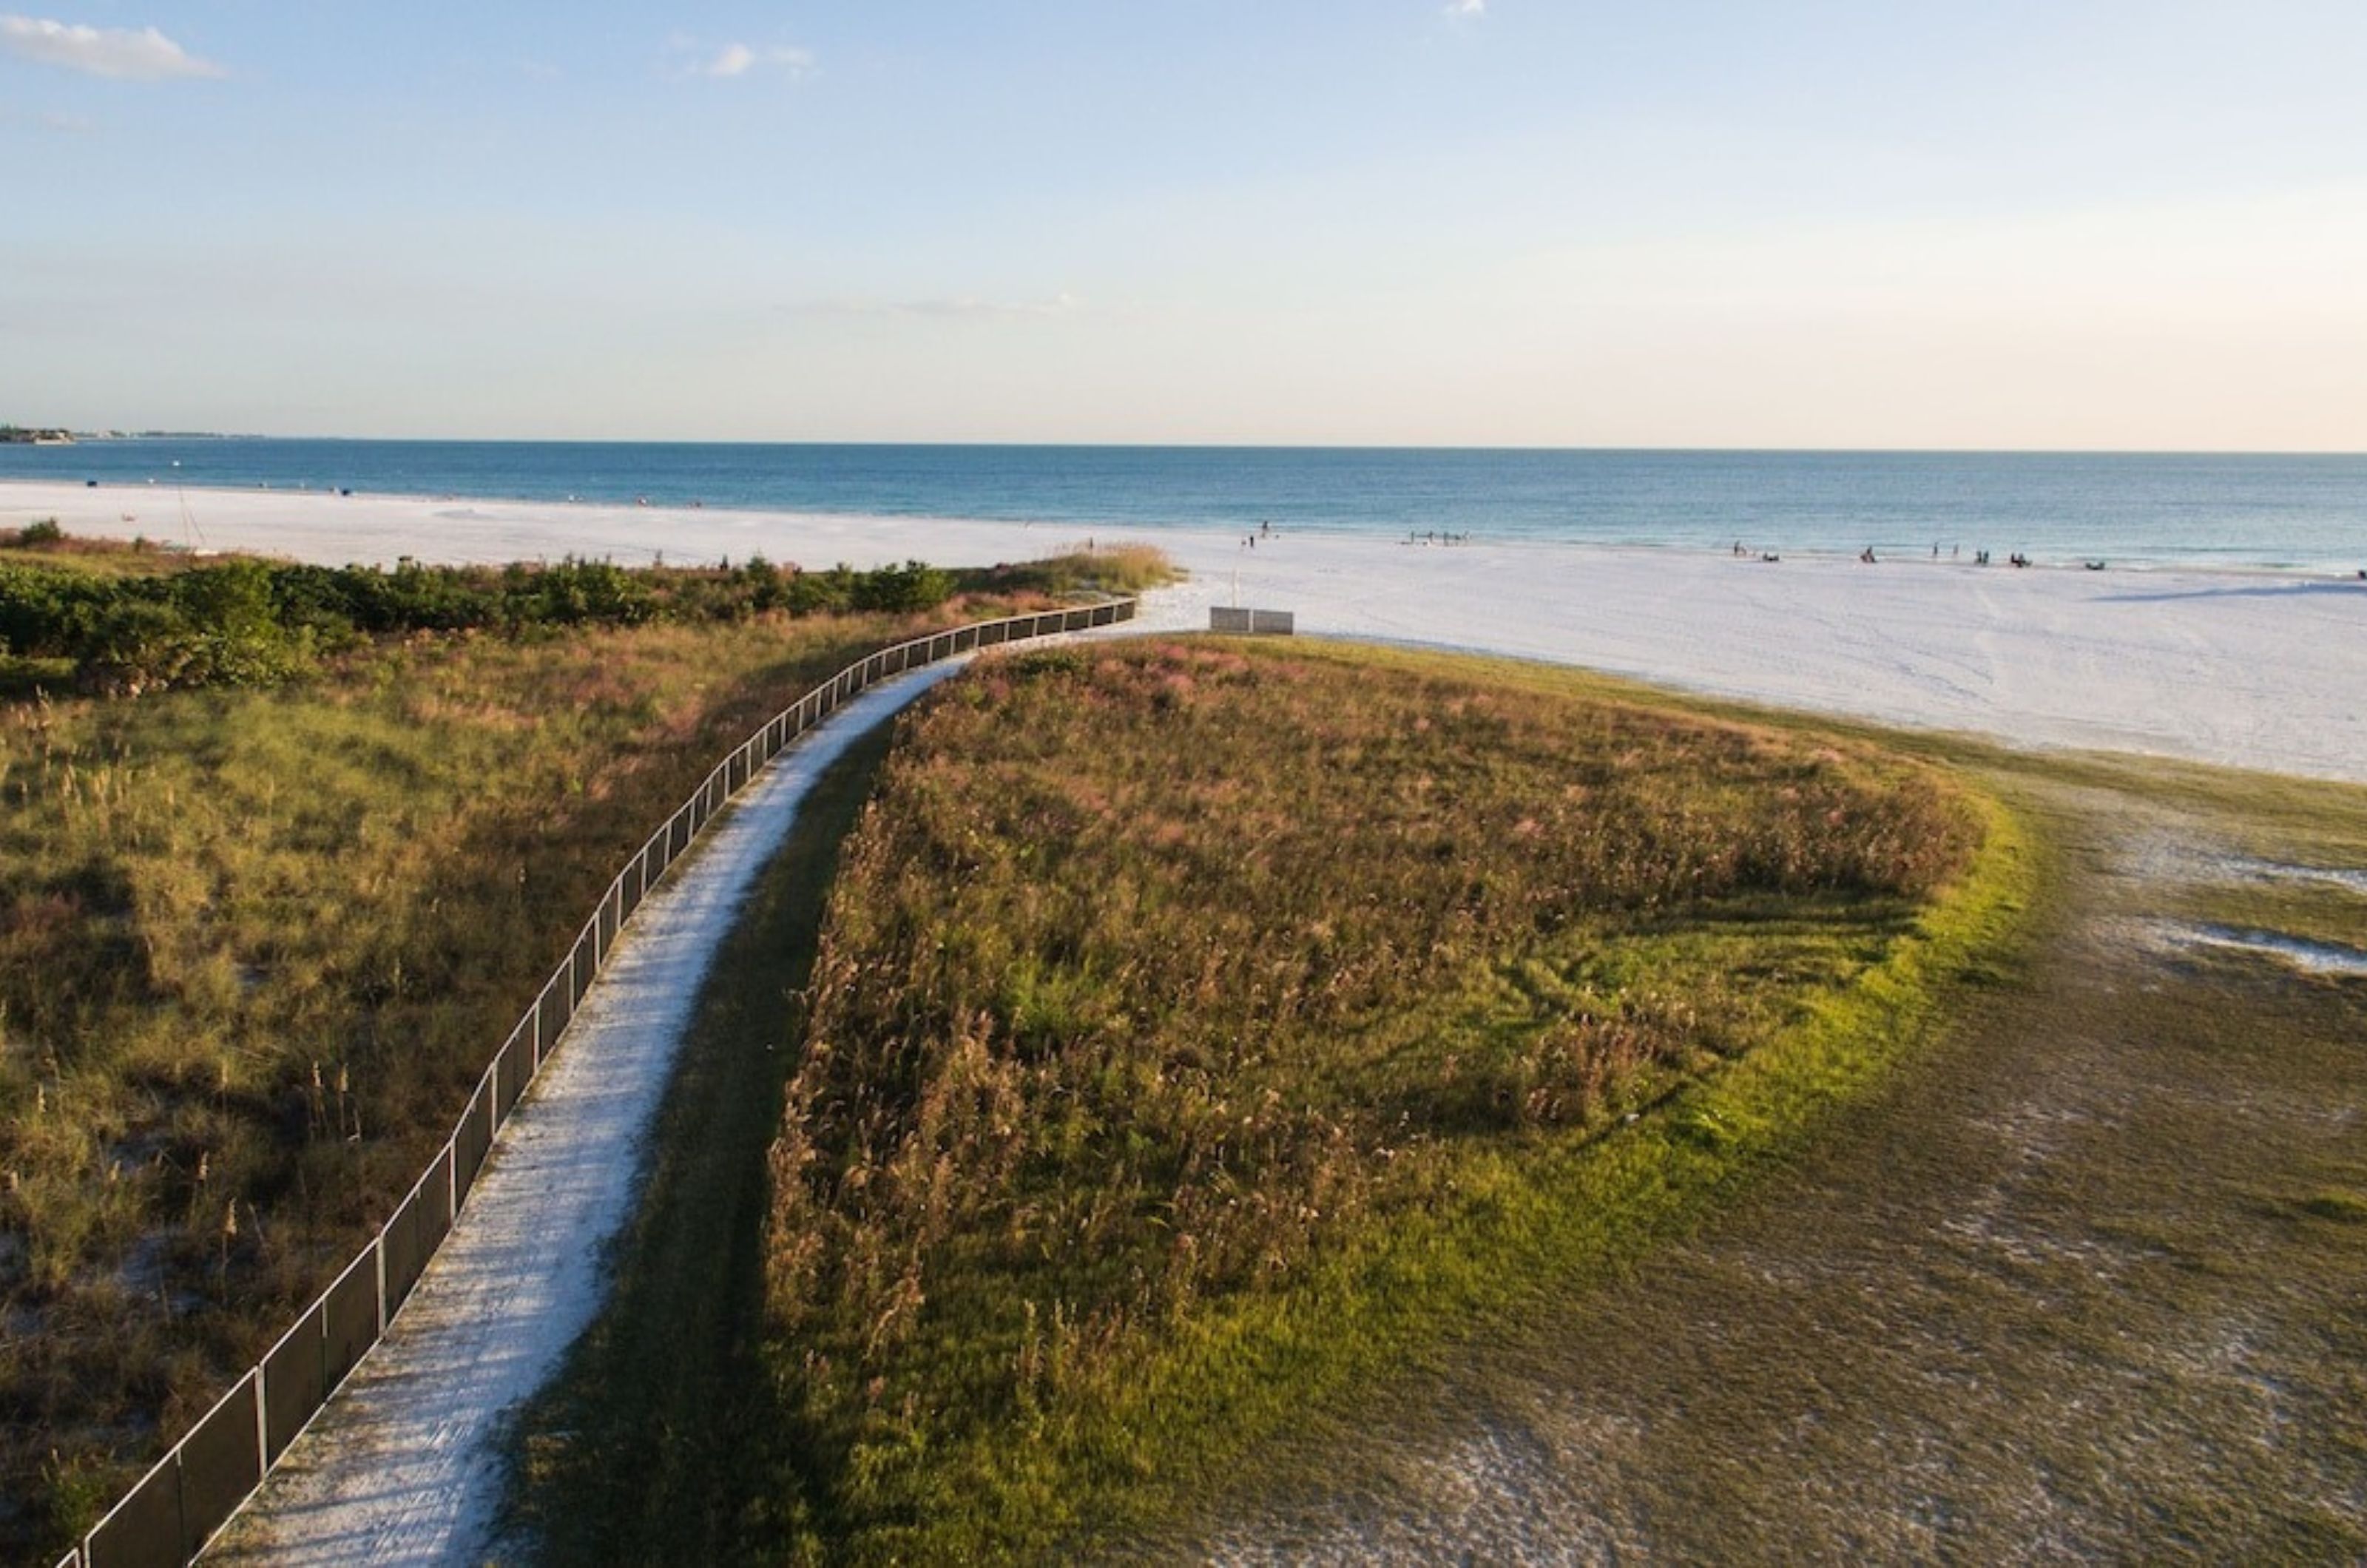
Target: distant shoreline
15 488
2301 513
2247 668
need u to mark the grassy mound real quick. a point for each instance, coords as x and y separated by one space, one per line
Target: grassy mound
1199 1029
256 944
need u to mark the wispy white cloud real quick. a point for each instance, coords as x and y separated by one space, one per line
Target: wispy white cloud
122 53
734 59
1466 7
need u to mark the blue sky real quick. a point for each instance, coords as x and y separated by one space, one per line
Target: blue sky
2064 225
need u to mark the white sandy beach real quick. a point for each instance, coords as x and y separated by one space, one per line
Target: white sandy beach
2259 669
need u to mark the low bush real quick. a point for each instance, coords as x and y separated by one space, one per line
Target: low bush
145 623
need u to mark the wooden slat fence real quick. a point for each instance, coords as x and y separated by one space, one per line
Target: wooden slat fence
168 1518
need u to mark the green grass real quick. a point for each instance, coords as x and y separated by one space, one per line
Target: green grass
256 946
1810 1306
1112 569
129 622
1203 1031
2083 1282
97 557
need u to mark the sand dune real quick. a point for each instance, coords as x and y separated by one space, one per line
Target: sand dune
2260 669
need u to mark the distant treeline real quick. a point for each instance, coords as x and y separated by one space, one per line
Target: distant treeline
244 622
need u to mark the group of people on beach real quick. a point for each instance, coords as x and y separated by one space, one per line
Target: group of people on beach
1264 531
1433 536
1955 552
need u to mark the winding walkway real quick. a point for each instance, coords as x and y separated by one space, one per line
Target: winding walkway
406 1465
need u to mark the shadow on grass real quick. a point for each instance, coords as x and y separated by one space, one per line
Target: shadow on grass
2083 1284
650 1447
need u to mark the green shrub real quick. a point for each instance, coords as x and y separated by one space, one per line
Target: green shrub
244 621
896 589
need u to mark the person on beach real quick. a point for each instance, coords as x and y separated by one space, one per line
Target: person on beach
1866 555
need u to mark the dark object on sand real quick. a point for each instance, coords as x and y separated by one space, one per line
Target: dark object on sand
2094 565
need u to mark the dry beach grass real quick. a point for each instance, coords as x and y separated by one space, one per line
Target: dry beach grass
1198 1028
2084 1283
2077 1281
255 946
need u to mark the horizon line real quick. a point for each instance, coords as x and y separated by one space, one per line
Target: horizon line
102 437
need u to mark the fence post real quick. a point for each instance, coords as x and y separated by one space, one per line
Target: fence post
263 1412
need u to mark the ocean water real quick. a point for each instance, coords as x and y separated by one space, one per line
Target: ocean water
2291 513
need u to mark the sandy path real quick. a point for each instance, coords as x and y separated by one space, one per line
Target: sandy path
403 1466
2260 670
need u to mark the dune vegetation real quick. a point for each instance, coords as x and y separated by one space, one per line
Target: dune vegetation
121 619
1200 1029
2083 1284
258 941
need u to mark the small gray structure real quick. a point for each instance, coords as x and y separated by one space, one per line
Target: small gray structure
1256 623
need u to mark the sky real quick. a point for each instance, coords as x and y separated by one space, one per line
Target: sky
1456 222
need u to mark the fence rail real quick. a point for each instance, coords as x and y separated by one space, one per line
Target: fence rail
174 1510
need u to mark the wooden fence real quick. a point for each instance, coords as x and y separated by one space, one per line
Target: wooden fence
177 1508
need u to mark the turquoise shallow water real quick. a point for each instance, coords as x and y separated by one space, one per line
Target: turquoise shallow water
2302 513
